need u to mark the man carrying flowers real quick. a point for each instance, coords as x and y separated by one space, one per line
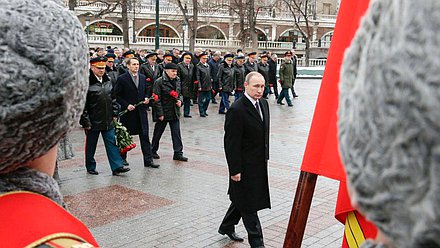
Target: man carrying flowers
166 110
97 118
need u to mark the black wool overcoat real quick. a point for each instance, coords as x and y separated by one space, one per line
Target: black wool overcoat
127 93
246 145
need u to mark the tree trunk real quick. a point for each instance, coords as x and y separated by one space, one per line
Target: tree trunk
124 7
72 4
195 24
252 23
307 52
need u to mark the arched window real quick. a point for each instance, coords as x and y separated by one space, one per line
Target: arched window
209 32
327 37
103 28
291 36
164 31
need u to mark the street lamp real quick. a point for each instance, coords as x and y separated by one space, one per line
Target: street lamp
184 25
87 28
156 30
266 30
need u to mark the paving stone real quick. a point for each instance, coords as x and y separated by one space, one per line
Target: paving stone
181 204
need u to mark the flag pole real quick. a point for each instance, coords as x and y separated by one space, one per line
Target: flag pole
300 210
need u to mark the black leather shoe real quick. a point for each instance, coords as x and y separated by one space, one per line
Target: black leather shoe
214 102
125 163
206 114
232 235
120 170
92 172
152 165
280 103
187 116
290 105
180 158
295 95
202 115
222 113
155 156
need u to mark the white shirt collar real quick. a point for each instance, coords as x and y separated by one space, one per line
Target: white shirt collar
250 98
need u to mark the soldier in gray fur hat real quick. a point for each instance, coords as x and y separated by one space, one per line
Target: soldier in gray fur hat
389 122
43 84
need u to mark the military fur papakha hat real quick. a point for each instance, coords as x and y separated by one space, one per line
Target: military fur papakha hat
43 78
389 120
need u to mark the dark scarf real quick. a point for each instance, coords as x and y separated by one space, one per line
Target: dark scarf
27 179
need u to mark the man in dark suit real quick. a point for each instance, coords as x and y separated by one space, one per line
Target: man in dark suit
246 145
150 69
132 88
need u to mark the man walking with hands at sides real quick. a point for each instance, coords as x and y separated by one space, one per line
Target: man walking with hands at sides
131 88
246 145
167 111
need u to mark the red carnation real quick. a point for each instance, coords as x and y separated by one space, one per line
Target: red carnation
239 88
270 85
148 79
174 94
213 91
196 82
155 97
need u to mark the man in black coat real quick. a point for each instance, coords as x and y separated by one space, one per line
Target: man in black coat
150 69
246 145
204 84
263 69
273 74
167 111
251 63
110 68
295 72
131 88
185 73
97 118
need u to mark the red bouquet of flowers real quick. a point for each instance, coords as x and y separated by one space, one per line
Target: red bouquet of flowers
174 94
148 79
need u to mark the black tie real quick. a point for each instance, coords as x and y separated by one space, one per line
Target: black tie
257 106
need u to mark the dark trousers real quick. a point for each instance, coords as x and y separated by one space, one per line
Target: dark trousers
146 149
186 105
215 86
224 104
159 128
275 89
251 223
266 91
204 98
112 150
284 93
237 95
293 88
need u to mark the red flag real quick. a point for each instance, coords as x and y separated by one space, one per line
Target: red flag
321 155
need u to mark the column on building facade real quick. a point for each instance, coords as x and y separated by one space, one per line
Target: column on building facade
130 30
231 35
274 32
315 32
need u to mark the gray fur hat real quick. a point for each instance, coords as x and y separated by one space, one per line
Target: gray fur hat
43 78
389 120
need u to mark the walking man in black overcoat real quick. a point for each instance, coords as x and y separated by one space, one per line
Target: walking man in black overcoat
131 88
246 145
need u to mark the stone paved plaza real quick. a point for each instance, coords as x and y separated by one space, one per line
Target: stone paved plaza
182 204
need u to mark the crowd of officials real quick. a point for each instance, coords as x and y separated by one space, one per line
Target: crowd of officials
135 82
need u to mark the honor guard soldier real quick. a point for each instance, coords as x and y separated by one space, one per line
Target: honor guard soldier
251 63
204 84
37 110
123 66
185 73
239 77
